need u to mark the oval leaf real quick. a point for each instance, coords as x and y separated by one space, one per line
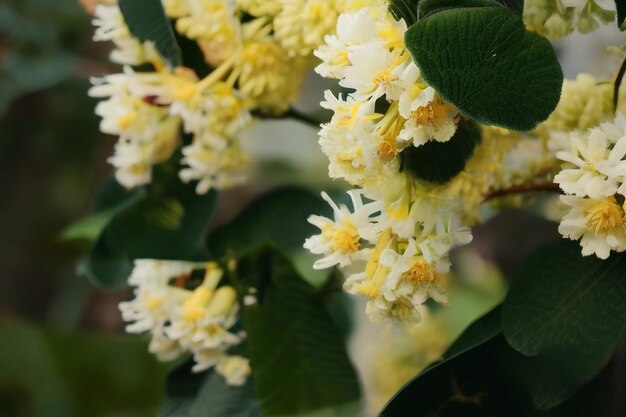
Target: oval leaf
568 308
484 61
297 353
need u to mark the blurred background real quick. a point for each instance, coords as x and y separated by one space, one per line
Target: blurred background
62 347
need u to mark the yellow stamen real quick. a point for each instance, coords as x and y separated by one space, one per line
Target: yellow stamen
372 263
605 216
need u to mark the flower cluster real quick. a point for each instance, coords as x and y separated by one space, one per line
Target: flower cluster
399 233
182 320
594 181
259 52
556 19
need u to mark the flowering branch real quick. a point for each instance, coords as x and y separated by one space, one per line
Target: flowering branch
522 189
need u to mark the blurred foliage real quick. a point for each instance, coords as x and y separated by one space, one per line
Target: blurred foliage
51 161
38 40
53 373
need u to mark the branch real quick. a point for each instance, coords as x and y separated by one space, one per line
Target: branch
618 82
522 189
290 114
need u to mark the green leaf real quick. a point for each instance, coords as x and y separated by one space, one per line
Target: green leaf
278 218
481 374
111 200
206 395
439 162
147 21
404 9
429 7
165 220
483 61
568 309
169 222
51 373
620 6
107 268
297 353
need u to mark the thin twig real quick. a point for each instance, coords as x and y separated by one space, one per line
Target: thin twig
522 189
290 114
618 83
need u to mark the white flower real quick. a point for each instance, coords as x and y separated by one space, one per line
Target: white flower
213 167
155 273
341 239
301 25
434 121
164 348
355 28
598 223
235 369
590 153
411 277
416 93
181 321
371 72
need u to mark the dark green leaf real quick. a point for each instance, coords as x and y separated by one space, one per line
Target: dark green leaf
482 330
404 9
439 162
206 395
429 7
111 200
278 218
146 20
514 5
568 309
484 61
106 268
481 374
297 354
169 222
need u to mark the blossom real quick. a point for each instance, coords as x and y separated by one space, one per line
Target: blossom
147 133
594 174
182 321
235 369
598 223
584 103
213 167
558 18
213 24
340 240
301 25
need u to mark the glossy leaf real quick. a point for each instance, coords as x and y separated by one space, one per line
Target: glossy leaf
441 161
483 61
146 20
297 353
